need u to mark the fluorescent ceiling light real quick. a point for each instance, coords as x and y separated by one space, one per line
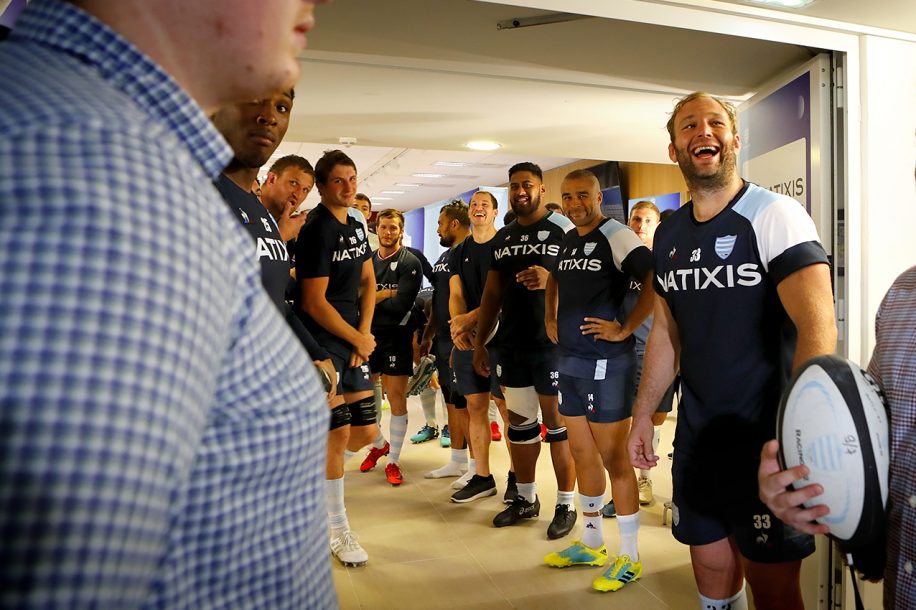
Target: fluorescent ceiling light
784 3
451 163
393 192
382 198
407 184
425 175
483 145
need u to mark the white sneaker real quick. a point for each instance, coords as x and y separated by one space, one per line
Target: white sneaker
462 482
345 547
646 497
449 470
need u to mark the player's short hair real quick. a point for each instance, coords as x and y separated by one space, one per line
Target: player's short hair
527 166
729 110
284 163
645 205
583 174
363 197
391 213
492 198
508 217
328 161
554 207
457 210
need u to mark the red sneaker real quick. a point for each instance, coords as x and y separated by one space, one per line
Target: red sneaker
372 459
393 473
495 434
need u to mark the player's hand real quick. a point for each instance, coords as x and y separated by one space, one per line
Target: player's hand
355 360
482 361
786 503
462 323
607 330
364 345
425 346
463 341
328 367
639 443
533 278
552 330
290 225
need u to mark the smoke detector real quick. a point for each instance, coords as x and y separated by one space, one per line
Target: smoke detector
346 141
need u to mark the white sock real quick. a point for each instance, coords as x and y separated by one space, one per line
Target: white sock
397 428
644 474
629 531
492 412
348 454
527 491
592 527
428 402
456 467
738 601
337 512
472 465
379 441
567 498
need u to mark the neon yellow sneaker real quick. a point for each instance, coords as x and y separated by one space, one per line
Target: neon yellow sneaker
577 555
621 572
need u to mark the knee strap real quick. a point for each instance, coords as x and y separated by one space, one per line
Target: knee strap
362 412
525 434
556 435
340 416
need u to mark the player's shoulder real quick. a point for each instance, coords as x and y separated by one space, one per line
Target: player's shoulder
757 202
354 216
610 227
560 221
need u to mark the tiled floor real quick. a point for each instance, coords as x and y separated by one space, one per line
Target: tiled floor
427 552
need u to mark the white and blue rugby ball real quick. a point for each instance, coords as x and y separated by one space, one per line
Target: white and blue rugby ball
833 419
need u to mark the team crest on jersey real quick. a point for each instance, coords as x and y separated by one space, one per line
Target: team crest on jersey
245 219
359 233
725 245
394 265
542 235
589 248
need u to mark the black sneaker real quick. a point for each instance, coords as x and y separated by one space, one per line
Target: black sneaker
511 489
562 523
518 510
477 487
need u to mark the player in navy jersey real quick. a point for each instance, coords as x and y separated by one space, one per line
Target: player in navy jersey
745 297
337 300
254 130
526 360
644 219
597 360
470 264
452 229
398 275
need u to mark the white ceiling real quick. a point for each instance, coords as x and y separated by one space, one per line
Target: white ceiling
414 80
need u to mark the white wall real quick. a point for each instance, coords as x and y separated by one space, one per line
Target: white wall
888 158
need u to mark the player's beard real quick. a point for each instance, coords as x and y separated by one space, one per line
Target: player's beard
446 241
522 210
706 180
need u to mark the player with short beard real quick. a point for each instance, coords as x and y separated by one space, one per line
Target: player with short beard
745 297
526 360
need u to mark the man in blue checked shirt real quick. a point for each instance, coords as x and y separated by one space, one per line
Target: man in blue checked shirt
162 432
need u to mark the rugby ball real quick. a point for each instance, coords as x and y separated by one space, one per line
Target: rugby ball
833 419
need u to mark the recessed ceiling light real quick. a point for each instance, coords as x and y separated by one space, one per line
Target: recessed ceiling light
407 184
451 163
483 145
382 198
393 192
425 175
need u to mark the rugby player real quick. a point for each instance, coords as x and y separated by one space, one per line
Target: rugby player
525 359
597 364
745 297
